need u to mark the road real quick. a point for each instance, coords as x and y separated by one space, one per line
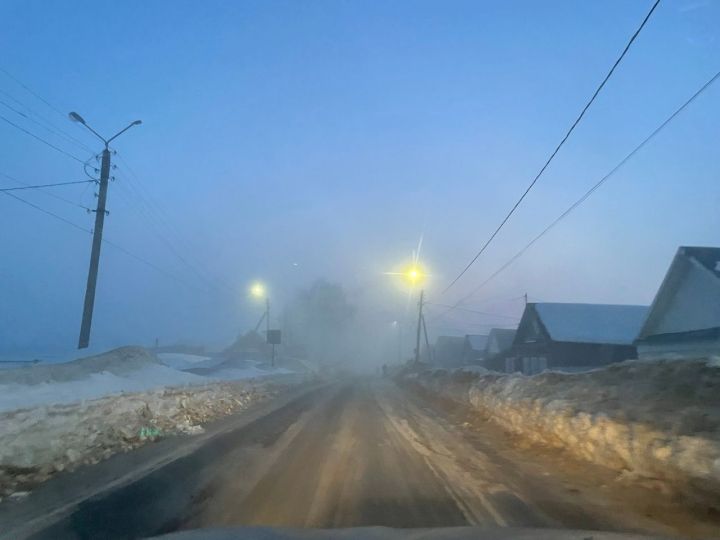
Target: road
367 453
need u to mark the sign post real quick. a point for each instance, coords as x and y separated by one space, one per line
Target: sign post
274 337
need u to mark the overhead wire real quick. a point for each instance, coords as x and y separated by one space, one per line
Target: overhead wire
46 125
40 186
594 188
50 193
104 240
51 145
557 148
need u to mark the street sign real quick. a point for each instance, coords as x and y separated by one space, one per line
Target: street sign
274 337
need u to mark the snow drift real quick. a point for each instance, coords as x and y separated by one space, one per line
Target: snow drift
127 369
648 420
59 417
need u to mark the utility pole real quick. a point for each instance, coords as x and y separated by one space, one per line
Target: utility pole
419 323
267 318
100 213
95 252
525 296
427 342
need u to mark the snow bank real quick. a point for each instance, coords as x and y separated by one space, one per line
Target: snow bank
649 420
37 443
123 370
184 361
59 416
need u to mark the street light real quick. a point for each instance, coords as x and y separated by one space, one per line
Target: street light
257 290
75 117
100 212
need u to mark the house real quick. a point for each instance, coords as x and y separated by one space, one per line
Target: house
574 337
499 341
684 318
449 351
474 349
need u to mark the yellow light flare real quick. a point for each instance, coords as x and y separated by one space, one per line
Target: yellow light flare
257 290
413 274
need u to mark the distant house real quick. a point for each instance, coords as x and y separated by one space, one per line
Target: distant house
574 337
499 341
684 318
449 351
474 348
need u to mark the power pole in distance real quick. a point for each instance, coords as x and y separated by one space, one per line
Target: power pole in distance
419 323
427 341
100 212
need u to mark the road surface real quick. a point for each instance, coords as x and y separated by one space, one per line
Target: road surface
367 453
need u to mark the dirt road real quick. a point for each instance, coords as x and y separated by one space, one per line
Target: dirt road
369 453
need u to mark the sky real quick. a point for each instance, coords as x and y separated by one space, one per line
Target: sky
288 141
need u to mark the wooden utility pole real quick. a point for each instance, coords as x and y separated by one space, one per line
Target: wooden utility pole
95 253
427 341
419 323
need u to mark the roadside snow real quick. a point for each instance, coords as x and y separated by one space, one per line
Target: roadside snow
55 417
184 361
92 386
37 443
124 370
651 421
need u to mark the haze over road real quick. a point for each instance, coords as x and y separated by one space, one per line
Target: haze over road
364 453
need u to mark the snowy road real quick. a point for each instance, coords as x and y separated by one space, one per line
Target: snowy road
368 453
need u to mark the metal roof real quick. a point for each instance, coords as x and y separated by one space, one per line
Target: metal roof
592 323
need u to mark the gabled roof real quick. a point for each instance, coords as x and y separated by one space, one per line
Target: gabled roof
503 337
591 323
476 341
709 257
688 299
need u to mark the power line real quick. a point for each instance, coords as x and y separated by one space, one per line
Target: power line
105 241
487 313
47 185
50 193
48 212
557 149
46 125
31 91
597 185
155 216
51 145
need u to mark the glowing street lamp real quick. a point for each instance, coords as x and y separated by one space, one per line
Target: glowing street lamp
257 290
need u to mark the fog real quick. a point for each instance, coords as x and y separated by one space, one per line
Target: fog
310 146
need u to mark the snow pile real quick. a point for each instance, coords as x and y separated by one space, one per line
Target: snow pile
37 443
127 369
55 417
185 361
649 420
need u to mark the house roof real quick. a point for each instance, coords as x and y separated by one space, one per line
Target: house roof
591 323
476 341
691 267
503 337
709 257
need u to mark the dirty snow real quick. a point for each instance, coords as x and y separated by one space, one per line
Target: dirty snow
653 422
37 443
124 370
55 417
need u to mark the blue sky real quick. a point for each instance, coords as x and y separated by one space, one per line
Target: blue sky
296 140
